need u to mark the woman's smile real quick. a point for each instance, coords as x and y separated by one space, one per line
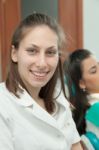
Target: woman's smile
39 74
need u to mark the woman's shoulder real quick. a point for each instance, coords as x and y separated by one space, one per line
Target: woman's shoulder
6 103
3 90
4 96
2 86
4 93
61 97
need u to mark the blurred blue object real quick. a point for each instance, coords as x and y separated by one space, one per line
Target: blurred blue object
92 114
93 139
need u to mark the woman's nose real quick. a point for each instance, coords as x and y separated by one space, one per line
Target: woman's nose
42 61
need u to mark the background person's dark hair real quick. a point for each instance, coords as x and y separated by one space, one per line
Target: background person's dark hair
13 79
77 96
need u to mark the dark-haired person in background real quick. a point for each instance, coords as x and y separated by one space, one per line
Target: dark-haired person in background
82 73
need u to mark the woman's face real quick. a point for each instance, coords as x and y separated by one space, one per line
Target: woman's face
90 77
37 56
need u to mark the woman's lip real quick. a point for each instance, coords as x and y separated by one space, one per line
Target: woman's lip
39 74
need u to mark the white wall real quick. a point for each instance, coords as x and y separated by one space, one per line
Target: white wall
91 25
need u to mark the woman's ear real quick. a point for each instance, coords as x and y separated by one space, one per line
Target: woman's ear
13 53
82 84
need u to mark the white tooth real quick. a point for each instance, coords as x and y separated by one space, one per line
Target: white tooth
39 74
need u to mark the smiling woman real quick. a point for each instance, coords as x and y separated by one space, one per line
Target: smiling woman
31 116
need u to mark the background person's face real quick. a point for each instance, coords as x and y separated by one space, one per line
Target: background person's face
90 77
37 56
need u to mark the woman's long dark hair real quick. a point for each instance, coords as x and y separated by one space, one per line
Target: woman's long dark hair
78 97
13 78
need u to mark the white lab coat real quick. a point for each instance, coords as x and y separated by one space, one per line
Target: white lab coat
24 125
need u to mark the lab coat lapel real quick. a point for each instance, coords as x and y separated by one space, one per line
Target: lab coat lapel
27 101
44 116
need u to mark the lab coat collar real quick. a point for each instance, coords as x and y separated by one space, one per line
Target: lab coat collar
93 98
27 101
62 100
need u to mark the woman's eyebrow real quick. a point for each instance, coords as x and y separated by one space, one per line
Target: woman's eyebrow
52 47
33 45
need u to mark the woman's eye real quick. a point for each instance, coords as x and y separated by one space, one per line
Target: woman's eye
93 71
52 52
31 51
